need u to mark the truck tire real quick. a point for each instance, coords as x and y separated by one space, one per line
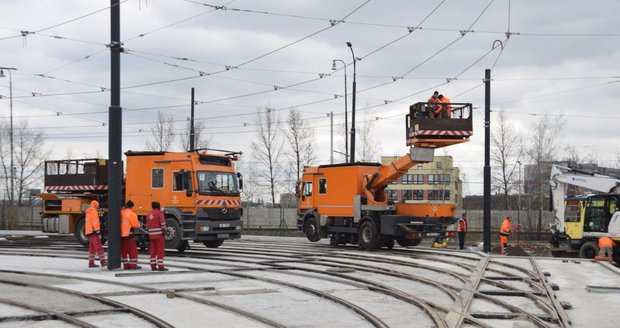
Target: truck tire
78 232
406 242
173 234
588 250
213 243
311 227
369 237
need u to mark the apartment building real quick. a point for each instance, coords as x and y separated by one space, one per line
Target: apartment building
437 181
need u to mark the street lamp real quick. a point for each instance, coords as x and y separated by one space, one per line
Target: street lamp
9 69
353 106
346 134
519 201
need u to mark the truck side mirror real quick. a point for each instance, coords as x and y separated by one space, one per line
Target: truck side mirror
189 190
240 178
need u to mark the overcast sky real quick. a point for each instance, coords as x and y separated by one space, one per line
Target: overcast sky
562 57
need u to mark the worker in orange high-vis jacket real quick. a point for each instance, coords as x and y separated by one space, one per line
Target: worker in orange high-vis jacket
129 250
606 246
156 226
432 104
461 229
504 233
444 109
92 230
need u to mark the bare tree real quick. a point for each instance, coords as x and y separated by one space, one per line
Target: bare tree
544 146
201 140
162 132
300 138
267 151
506 153
29 155
250 188
367 150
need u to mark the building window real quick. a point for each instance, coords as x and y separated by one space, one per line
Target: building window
431 179
322 186
439 166
407 195
157 178
407 178
418 179
392 195
418 194
446 179
419 166
438 195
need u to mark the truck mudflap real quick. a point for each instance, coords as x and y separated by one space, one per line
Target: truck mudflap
417 227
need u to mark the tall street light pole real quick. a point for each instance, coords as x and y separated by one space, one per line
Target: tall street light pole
9 69
352 107
519 201
346 125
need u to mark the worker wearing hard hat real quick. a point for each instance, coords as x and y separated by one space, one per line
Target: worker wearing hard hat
504 233
129 250
432 104
92 230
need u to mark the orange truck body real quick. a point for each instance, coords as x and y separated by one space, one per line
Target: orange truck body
347 202
199 194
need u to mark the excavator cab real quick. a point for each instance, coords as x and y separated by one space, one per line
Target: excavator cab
426 131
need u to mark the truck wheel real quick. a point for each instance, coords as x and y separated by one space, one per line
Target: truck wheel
173 234
78 232
213 243
312 230
368 236
588 250
405 242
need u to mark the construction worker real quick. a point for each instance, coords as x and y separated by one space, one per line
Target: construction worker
156 225
443 108
461 229
92 230
504 233
432 104
129 250
606 246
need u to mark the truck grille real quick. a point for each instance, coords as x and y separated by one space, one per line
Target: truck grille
217 214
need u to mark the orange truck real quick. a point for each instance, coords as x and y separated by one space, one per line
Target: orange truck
347 202
198 191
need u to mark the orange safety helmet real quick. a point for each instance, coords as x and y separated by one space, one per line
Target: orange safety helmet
94 204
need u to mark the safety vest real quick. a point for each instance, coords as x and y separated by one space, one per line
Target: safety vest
606 242
91 223
461 226
505 230
129 220
156 224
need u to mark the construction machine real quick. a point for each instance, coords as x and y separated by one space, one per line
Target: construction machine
580 220
348 202
199 192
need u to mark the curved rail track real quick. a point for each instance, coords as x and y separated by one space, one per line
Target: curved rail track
285 284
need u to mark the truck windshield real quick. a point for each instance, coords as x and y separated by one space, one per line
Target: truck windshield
217 183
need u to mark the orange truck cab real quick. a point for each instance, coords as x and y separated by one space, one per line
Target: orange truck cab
199 193
347 202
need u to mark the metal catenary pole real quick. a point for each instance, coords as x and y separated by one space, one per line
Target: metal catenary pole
487 167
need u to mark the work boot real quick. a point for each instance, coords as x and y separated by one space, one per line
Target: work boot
153 268
92 265
135 267
104 262
162 269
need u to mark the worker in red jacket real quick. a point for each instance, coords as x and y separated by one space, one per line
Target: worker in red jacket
92 230
156 226
504 233
129 249
606 246
461 229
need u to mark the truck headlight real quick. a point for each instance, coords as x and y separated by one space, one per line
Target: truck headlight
238 227
203 229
